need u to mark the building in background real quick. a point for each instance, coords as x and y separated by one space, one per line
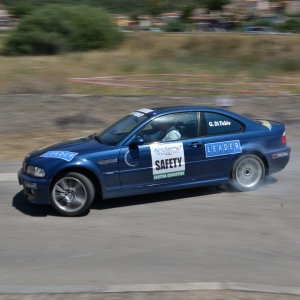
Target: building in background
292 7
145 21
121 20
5 19
245 7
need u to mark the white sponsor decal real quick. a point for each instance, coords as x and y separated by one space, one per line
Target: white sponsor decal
167 160
223 148
219 123
129 160
278 155
145 110
65 155
137 114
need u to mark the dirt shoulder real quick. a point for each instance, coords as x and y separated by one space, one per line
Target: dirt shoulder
184 295
28 122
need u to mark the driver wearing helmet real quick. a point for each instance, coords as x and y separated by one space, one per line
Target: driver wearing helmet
162 130
168 132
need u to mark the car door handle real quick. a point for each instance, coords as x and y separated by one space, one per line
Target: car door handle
196 144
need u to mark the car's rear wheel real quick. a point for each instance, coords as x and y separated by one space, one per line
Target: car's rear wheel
247 172
72 194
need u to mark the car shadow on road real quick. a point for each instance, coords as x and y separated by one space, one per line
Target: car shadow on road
268 180
21 203
168 196
153 198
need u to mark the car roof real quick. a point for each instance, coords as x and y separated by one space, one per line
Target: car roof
179 108
183 108
157 111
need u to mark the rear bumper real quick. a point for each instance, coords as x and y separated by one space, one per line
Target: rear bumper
278 159
36 189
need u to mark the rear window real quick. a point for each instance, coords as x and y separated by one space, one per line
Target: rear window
219 124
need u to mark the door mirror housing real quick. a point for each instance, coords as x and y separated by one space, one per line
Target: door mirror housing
137 141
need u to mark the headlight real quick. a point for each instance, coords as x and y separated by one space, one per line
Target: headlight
35 171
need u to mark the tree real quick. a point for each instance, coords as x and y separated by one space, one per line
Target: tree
20 10
154 7
55 28
186 13
175 26
214 4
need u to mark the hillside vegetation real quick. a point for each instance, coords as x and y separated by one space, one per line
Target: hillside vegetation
239 57
113 6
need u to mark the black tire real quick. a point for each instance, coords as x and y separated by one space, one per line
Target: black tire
72 194
247 172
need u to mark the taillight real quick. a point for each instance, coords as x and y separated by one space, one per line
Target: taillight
283 138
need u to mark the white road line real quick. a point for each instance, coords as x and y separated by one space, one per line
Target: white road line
200 286
8 177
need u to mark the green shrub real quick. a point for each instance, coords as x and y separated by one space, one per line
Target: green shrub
291 25
19 10
175 26
54 29
187 13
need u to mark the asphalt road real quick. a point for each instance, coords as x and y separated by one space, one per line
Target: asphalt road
198 235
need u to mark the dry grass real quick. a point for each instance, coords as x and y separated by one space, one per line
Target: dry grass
2 38
233 55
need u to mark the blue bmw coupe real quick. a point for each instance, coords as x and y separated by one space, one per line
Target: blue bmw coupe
155 150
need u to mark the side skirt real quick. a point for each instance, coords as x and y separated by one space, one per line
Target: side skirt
162 188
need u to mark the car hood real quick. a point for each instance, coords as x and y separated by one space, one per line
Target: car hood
79 146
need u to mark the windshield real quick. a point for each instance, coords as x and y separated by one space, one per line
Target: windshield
114 133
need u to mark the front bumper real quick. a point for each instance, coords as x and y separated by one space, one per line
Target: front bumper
36 189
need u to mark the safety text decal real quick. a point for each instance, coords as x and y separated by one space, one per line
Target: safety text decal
167 160
223 148
65 155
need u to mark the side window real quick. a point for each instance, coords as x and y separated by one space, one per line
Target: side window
219 124
171 127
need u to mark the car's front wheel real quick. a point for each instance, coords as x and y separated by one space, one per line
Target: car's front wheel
72 194
247 172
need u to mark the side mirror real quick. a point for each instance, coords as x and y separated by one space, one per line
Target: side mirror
137 141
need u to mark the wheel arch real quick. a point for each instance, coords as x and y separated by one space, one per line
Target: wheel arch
254 152
84 171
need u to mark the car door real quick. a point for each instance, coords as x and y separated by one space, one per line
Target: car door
221 140
162 162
